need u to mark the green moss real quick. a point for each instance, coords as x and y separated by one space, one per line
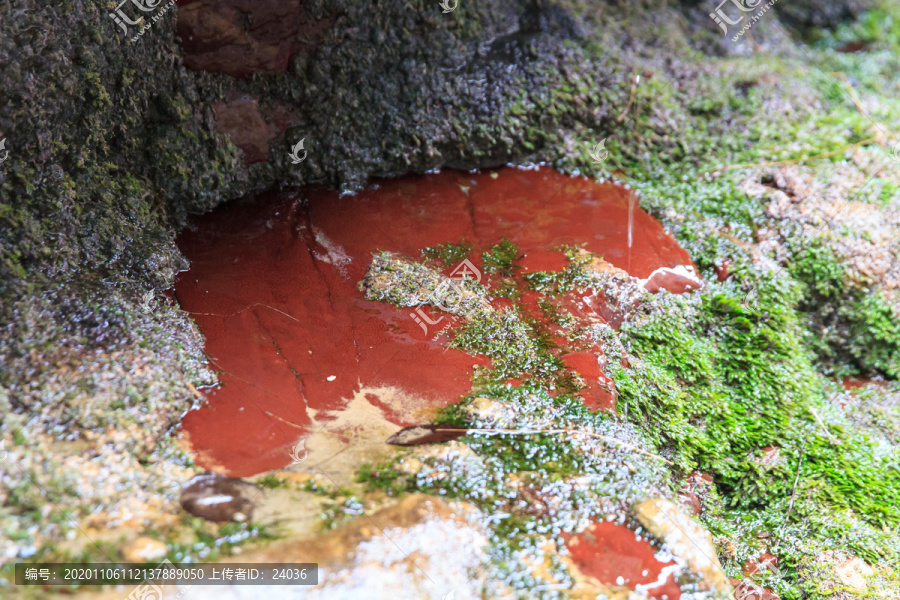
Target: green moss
516 345
853 328
384 478
719 380
500 259
449 254
554 283
271 481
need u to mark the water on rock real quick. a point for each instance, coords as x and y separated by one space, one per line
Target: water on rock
273 285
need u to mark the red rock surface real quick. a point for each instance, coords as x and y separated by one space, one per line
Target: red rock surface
614 555
676 281
723 269
241 120
273 287
853 383
251 125
747 590
241 37
694 489
598 392
765 562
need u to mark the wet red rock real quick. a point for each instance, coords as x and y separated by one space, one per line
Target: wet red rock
764 562
615 556
548 260
240 117
588 305
676 281
745 589
691 499
597 392
723 269
854 383
273 287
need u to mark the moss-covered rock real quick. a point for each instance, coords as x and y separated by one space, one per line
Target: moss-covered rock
112 142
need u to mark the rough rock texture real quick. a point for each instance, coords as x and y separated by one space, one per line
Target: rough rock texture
684 538
852 223
112 140
106 138
391 554
242 37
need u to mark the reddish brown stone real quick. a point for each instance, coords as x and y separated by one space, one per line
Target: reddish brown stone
694 489
218 498
698 478
692 500
241 37
250 126
614 555
417 435
241 120
852 383
765 562
676 281
723 269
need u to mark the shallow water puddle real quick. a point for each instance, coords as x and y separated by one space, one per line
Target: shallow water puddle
273 285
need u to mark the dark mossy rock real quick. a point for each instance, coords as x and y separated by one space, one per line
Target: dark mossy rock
112 140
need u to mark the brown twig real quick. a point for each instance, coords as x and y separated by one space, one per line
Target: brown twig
831 438
635 79
794 490
853 96
193 389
